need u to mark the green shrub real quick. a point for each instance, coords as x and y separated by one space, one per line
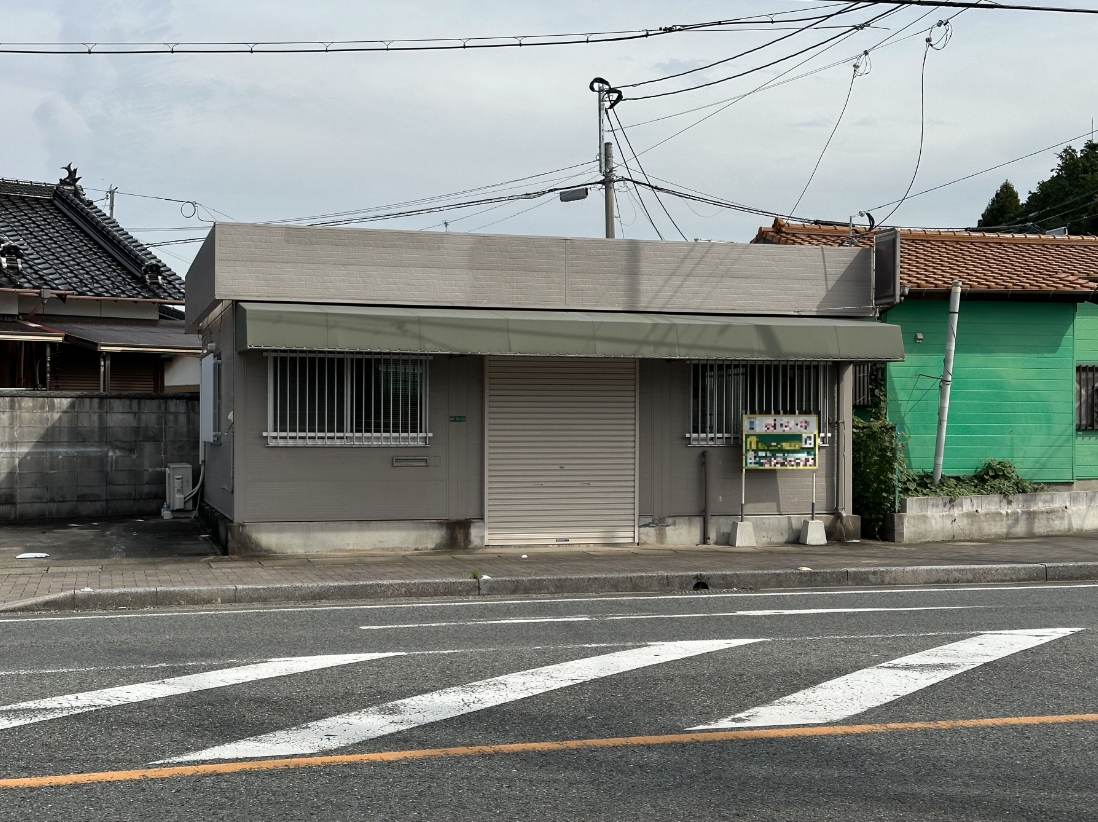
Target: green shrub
881 475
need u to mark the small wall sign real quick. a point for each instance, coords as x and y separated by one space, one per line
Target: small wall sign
460 418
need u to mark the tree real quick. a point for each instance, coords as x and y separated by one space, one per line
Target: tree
1070 196
1003 207
1067 199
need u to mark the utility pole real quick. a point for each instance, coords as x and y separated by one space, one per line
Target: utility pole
110 197
608 97
608 186
947 380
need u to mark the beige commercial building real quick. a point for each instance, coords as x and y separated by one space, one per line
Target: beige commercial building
369 389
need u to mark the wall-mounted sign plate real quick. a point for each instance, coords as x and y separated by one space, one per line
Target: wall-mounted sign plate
460 418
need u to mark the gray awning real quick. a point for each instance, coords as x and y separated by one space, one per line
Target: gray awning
561 333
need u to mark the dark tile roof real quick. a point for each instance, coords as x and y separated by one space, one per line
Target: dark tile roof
69 245
132 335
931 259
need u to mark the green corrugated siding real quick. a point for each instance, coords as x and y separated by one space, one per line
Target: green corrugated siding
1086 353
1013 386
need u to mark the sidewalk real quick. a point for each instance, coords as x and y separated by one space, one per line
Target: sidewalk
105 568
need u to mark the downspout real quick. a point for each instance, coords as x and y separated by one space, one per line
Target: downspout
947 379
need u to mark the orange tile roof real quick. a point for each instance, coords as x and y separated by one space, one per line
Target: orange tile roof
931 259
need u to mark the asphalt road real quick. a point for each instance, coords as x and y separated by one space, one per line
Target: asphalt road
973 703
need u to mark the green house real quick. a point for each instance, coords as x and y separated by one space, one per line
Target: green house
1025 373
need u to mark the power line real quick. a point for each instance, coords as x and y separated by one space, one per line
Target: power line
434 198
629 143
849 8
854 76
930 44
625 162
394 44
953 4
986 170
755 69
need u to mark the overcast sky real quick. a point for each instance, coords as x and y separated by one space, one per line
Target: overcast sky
264 137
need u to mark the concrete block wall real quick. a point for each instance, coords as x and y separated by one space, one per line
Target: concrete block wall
91 455
994 516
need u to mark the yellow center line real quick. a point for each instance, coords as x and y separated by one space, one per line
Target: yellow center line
533 747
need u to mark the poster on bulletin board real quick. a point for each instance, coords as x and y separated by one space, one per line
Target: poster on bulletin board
781 441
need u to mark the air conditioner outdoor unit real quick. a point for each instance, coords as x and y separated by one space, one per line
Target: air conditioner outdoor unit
178 477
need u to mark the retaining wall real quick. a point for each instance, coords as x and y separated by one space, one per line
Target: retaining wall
91 455
994 516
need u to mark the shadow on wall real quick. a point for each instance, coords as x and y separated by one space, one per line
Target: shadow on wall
91 455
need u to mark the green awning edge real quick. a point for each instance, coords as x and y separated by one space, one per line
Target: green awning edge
299 326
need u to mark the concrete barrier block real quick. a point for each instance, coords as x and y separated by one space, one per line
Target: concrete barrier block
812 532
947 574
742 535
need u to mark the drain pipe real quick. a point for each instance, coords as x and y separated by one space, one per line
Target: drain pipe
707 538
947 379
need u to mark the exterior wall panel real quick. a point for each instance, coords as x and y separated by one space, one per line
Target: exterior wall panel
671 471
1086 353
1013 386
349 266
348 483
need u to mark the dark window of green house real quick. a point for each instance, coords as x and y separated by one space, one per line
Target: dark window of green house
1086 407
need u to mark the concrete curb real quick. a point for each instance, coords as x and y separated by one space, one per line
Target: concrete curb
134 598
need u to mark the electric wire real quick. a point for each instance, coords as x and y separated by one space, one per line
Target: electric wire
625 162
954 4
771 83
930 44
629 143
854 76
394 44
755 69
986 170
849 8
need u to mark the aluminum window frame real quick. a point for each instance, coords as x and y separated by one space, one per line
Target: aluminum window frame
357 399
765 387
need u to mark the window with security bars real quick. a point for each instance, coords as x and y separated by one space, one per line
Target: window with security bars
722 391
346 399
869 380
1086 402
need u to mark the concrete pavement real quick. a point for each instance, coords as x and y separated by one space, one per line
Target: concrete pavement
145 564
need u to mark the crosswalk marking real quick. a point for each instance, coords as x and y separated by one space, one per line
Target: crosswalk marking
403 714
40 710
854 693
615 617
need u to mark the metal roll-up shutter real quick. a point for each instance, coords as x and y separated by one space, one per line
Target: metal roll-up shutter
561 443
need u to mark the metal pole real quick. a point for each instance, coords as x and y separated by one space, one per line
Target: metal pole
110 193
608 186
743 490
813 495
947 379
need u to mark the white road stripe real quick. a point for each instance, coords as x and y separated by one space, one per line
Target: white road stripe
854 693
534 600
611 617
403 714
40 710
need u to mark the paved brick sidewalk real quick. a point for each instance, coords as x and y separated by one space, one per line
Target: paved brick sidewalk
27 579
